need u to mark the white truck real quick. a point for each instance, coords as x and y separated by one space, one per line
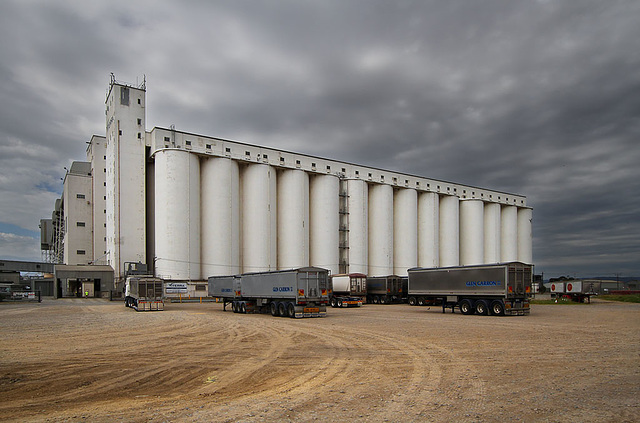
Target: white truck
576 290
142 292
494 288
291 293
348 290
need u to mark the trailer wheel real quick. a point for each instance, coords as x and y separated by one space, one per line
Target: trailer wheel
282 309
291 310
482 308
340 303
274 309
333 302
466 307
497 308
412 301
243 308
234 307
421 301
383 300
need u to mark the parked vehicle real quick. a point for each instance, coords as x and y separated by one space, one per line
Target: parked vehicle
497 289
295 293
142 292
386 289
348 290
580 291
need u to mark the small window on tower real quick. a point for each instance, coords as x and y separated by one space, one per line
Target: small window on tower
81 252
139 121
139 101
139 135
80 224
167 139
80 196
208 146
124 96
187 142
228 150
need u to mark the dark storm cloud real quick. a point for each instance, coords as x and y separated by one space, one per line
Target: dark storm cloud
532 97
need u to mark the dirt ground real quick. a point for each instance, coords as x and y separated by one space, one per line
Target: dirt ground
95 360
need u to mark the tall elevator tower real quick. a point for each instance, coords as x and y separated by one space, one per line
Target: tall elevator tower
125 175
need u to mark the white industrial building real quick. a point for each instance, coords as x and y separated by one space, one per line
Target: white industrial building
192 206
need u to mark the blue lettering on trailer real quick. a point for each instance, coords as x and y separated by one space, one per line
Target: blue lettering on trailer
282 289
483 283
226 290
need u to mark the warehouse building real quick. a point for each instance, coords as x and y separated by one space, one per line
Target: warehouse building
193 206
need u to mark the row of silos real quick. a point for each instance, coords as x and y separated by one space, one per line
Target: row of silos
405 228
216 216
219 216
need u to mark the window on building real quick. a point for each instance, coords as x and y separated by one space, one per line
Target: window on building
80 196
208 146
167 139
187 142
80 224
201 287
328 167
139 135
81 252
247 153
139 101
228 150
139 121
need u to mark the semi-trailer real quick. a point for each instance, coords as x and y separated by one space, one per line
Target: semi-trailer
142 291
386 289
348 290
296 293
499 289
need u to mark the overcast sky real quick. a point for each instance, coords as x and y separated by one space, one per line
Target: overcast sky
538 98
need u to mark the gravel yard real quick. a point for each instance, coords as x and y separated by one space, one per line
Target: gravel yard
95 360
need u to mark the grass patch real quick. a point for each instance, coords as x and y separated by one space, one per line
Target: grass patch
634 298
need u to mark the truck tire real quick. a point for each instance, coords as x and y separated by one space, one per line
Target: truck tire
497 308
243 308
333 302
340 304
273 307
421 301
482 308
466 307
282 309
234 307
412 301
383 300
291 310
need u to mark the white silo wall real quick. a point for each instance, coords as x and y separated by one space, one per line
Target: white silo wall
324 219
449 231
358 204
293 219
471 232
259 216
525 238
177 214
509 233
492 233
220 217
428 229
405 230
380 230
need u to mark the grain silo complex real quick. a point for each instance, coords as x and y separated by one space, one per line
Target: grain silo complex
193 206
